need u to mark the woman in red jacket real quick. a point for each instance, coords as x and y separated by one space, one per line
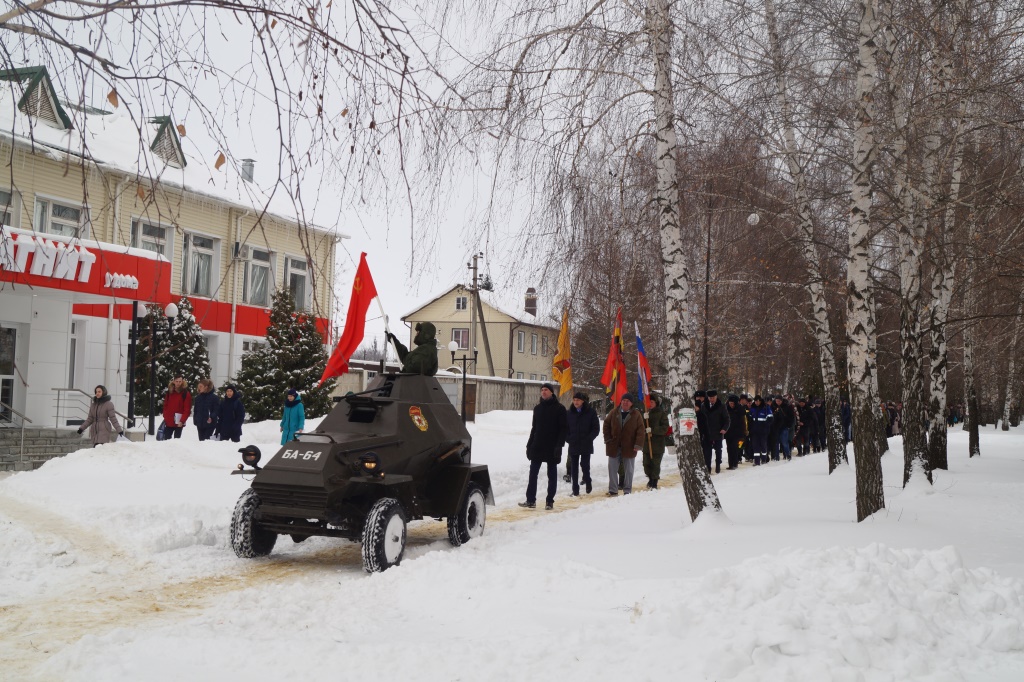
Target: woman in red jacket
177 407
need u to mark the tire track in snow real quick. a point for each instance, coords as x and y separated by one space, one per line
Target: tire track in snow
32 631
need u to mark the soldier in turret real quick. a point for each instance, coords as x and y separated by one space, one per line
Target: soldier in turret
423 359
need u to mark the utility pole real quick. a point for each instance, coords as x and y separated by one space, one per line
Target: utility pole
474 291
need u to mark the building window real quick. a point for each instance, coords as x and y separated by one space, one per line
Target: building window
533 344
151 237
297 277
544 345
543 377
257 287
251 346
519 375
461 336
197 265
533 377
8 211
461 303
521 342
62 219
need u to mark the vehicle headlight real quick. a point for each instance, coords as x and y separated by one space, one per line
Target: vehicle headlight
251 455
370 464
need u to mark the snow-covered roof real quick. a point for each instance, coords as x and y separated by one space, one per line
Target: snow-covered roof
149 149
488 298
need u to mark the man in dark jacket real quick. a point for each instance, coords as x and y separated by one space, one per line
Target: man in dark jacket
820 442
783 419
654 443
737 431
205 406
699 405
761 420
807 425
846 416
230 416
547 437
718 425
584 427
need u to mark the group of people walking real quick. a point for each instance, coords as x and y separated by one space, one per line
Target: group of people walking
626 433
216 417
758 430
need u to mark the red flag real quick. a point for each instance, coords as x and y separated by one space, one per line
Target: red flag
614 377
363 291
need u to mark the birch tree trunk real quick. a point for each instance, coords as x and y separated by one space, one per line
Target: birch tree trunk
819 316
970 309
1012 392
942 295
860 318
700 491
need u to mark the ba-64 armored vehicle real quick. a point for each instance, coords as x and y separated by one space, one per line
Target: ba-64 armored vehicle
391 454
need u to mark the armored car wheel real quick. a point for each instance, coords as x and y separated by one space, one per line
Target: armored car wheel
468 522
384 535
248 539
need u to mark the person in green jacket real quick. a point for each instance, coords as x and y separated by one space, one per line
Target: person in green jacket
294 418
422 360
654 444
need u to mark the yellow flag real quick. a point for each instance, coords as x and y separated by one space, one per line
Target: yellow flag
561 369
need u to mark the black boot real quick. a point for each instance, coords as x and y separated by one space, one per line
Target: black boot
718 467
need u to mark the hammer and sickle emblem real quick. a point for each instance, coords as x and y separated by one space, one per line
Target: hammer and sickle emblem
357 284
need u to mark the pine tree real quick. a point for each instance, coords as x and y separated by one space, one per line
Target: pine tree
185 352
259 382
181 349
153 323
293 358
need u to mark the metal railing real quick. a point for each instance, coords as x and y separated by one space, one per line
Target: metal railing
78 400
23 418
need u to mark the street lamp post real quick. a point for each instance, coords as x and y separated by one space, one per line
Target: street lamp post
465 360
171 311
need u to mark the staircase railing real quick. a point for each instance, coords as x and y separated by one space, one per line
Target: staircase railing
78 400
10 410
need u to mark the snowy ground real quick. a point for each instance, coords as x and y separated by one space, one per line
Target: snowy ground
115 565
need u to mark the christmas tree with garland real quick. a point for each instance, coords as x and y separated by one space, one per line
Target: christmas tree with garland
294 357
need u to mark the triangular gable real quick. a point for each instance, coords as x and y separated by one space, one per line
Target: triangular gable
39 99
487 299
166 143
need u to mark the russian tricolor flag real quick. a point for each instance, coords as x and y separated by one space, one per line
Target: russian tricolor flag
643 391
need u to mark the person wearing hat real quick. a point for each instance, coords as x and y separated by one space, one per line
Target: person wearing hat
624 435
807 424
783 421
230 415
102 420
761 419
736 434
205 406
745 403
654 445
583 427
293 420
547 437
718 426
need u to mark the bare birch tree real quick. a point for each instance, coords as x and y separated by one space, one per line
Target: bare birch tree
860 319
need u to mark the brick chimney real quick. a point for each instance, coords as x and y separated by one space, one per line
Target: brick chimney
531 301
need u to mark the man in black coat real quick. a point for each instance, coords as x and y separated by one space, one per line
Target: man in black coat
737 432
547 436
699 408
584 427
718 425
807 426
